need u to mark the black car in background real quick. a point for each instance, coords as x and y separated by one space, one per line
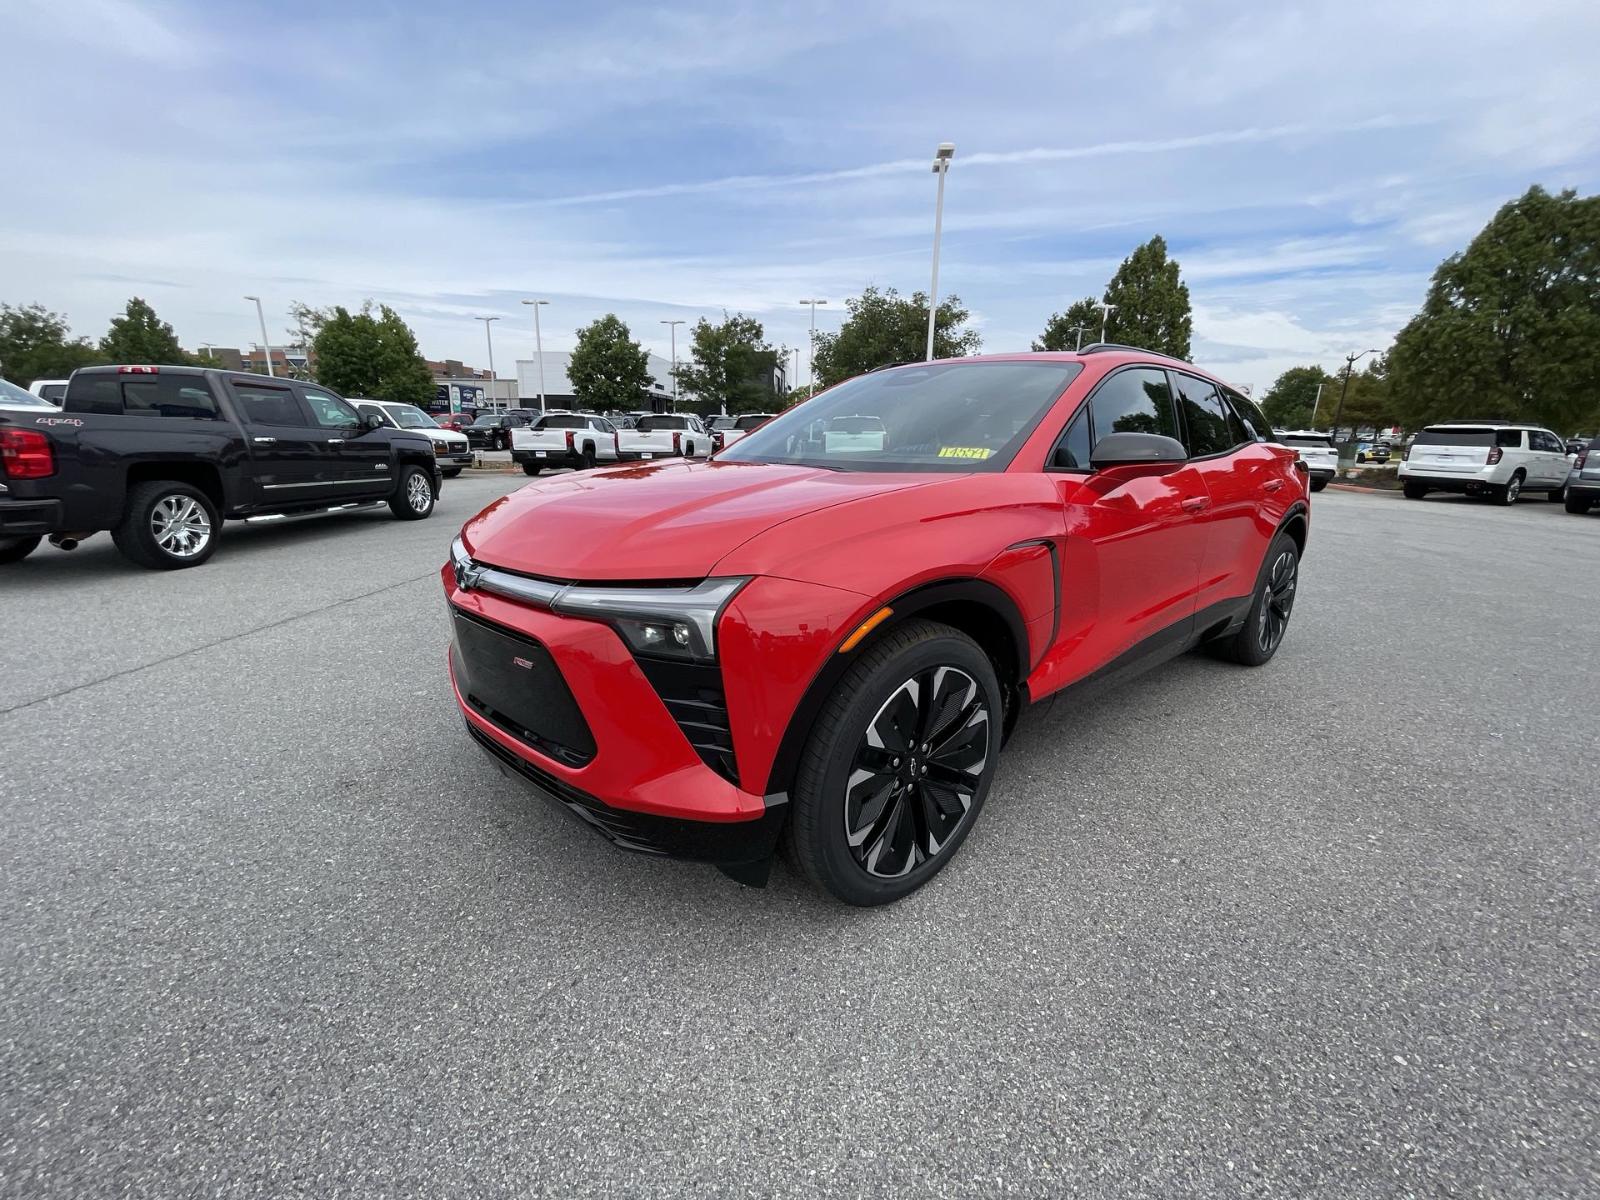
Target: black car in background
492 430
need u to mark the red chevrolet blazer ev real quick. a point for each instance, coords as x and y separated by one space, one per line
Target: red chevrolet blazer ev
826 632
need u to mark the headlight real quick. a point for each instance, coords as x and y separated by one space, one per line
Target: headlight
441 447
662 622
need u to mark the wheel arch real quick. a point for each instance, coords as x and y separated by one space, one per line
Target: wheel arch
200 475
1297 524
976 607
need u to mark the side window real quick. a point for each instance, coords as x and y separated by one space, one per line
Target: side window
1134 401
1213 429
1508 439
1546 442
1256 425
1076 443
170 396
330 412
262 405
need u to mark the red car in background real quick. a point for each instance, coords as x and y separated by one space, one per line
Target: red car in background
828 638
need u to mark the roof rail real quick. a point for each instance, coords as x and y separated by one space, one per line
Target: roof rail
1100 347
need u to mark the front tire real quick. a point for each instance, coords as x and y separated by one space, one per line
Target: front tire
898 765
167 526
15 549
413 494
1258 639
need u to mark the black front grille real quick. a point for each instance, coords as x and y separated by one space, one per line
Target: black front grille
511 680
693 695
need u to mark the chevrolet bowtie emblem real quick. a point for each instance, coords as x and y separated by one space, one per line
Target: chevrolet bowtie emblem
467 575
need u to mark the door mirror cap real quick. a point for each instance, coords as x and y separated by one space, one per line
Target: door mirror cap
370 421
1137 450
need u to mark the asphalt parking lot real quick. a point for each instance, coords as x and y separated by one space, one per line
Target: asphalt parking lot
272 926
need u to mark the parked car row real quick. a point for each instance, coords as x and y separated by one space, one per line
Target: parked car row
1497 459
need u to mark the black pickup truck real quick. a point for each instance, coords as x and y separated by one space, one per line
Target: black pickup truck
161 456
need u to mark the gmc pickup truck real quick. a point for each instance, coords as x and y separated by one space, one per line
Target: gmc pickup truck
161 456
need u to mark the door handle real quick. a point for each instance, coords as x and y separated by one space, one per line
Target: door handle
1195 504
1272 485
335 441
264 441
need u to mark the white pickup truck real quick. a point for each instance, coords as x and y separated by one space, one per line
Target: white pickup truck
728 430
565 439
666 435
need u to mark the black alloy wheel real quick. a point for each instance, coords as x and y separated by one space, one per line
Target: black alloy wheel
897 765
1277 600
916 770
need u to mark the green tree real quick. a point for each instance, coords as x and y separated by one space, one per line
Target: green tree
37 344
609 369
1291 399
1061 331
730 366
139 336
369 353
885 327
1511 325
1152 302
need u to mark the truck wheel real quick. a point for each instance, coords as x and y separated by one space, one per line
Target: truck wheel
588 458
1415 491
167 526
451 473
413 495
531 468
1508 493
15 549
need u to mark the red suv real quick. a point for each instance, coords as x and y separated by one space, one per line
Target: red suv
827 631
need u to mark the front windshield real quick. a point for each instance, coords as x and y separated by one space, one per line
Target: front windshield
409 417
933 417
11 396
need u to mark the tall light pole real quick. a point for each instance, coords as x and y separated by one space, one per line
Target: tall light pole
941 168
206 346
489 337
1105 317
1350 361
262 317
673 327
811 354
538 346
1315 404
1078 329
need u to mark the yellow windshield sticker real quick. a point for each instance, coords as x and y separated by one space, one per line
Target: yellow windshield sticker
964 452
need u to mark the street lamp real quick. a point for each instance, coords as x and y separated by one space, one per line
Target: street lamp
811 354
1350 361
206 346
673 327
262 317
489 337
796 382
538 346
1078 329
1105 317
941 168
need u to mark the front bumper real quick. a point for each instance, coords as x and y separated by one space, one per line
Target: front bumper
456 458
29 518
634 778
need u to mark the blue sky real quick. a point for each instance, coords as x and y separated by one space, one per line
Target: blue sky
1308 163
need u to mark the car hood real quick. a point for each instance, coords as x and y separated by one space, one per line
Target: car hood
660 521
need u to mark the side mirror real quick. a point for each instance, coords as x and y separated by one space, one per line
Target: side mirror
1134 450
370 421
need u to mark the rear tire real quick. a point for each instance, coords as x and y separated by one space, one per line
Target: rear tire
15 549
1578 504
1318 484
1508 492
1258 639
167 526
1415 491
587 463
413 494
531 468
923 700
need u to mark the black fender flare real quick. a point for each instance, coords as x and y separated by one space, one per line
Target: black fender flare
786 762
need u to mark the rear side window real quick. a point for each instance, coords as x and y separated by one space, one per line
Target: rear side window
1213 429
174 396
55 392
1511 439
1134 401
268 405
1256 426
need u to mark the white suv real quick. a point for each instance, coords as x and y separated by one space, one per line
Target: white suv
1485 458
1316 450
